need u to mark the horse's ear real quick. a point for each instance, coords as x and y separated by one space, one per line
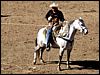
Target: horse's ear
80 17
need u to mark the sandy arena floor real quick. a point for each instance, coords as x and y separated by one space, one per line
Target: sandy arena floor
20 23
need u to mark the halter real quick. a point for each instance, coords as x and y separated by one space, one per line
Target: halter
83 25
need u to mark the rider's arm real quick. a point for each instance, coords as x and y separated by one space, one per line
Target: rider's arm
61 16
48 16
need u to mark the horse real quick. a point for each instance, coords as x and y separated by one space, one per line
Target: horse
64 40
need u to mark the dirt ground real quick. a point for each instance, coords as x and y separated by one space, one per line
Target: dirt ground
20 22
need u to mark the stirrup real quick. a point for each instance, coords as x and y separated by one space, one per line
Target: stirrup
48 48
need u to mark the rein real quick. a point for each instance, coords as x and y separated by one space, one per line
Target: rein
66 39
68 32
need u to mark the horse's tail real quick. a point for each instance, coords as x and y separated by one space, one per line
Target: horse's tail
36 42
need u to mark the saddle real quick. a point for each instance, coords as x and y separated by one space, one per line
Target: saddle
55 32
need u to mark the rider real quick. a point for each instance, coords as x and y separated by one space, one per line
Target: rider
53 17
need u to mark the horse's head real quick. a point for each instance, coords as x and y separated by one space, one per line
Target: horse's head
80 25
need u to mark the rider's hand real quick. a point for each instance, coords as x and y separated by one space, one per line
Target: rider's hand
61 22
49 18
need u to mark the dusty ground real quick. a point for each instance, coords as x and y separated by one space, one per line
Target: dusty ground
19 28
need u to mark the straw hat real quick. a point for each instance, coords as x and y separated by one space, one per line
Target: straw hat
54 5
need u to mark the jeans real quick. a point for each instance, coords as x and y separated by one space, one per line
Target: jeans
49 37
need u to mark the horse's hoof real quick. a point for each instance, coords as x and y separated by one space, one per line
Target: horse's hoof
58 68
34 62
42 61
68 67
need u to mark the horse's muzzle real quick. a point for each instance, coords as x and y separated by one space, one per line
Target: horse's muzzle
85 32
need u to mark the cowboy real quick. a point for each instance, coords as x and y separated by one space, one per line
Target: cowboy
53 17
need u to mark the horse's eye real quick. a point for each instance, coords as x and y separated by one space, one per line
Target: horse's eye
82 24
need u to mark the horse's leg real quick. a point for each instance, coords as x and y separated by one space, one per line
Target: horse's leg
68 57
36 52
60 58
70 45
35 57
41 54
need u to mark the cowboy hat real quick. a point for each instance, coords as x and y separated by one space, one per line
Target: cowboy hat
54 5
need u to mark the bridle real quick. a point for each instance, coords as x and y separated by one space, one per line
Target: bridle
82 25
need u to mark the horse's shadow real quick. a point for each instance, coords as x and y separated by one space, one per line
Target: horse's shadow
85 64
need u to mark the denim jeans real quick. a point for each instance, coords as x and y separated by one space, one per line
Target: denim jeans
49 37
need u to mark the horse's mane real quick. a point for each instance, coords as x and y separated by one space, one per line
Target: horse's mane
70 22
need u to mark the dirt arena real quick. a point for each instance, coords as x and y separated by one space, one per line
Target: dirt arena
20 22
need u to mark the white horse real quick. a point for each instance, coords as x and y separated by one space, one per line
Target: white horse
65 40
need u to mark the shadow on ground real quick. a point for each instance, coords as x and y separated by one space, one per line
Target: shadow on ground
85 64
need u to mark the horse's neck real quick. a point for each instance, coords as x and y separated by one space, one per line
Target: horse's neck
64 30
71 33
